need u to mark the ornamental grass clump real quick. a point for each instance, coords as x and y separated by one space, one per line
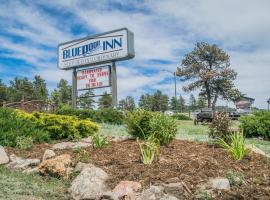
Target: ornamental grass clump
236 147
99 141
150 150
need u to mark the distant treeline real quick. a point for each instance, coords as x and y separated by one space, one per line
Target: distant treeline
25 89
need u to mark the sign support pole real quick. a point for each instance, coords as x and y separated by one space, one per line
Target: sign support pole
74 88
114 86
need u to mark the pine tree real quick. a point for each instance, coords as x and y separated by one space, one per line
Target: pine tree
105 101
86 100
181 104
192 102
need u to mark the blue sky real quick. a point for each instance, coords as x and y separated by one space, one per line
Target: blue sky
164 32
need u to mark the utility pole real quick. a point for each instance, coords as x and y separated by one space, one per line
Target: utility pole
175 95
268 101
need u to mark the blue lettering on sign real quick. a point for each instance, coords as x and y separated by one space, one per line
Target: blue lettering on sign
92 47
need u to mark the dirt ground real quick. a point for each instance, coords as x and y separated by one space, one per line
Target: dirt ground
191 162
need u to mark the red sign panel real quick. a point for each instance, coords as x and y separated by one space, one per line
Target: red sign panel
92 78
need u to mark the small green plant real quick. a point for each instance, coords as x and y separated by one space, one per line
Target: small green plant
99 141
220 128
150 150
235 178
24 142
205 196
236 147
81 155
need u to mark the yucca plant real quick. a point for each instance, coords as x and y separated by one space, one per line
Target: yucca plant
150 150
236 147
99 141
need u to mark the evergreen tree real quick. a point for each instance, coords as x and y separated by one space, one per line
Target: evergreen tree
63 93
3 92
192 102
145 102
40 89
181 104
201 102
174 104
86 100
207 68
105 101
20 89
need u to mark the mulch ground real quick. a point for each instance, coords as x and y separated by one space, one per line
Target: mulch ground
191 162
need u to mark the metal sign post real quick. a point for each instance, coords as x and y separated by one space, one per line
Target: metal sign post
74 88
114 85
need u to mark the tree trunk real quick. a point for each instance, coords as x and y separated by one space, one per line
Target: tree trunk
208 94
214 104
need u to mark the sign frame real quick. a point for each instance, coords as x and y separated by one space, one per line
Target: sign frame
130 49
110 73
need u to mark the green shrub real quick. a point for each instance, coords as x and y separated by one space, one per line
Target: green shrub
106 115
62 126
150 150
179 116
257 125
138 123
13 126
143 124
41 127
237 147
163 128
220 128
24 142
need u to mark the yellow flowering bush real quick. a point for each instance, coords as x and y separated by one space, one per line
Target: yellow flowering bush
61 126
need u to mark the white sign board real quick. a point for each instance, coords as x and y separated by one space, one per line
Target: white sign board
92 78
102 48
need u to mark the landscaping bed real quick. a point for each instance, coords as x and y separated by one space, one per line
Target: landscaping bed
193 163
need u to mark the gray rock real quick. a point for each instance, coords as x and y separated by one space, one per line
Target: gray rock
22 164
89 184
48 154
153 193
80 166
3 156
109 195
63 145
168 197
31 170
219 183
87 140
175 189
81 145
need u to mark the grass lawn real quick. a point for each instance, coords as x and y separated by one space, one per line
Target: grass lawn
16 185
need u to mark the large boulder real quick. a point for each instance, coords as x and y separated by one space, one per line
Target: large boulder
127 189
58 166
89 184
3 156
22 164
48 154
